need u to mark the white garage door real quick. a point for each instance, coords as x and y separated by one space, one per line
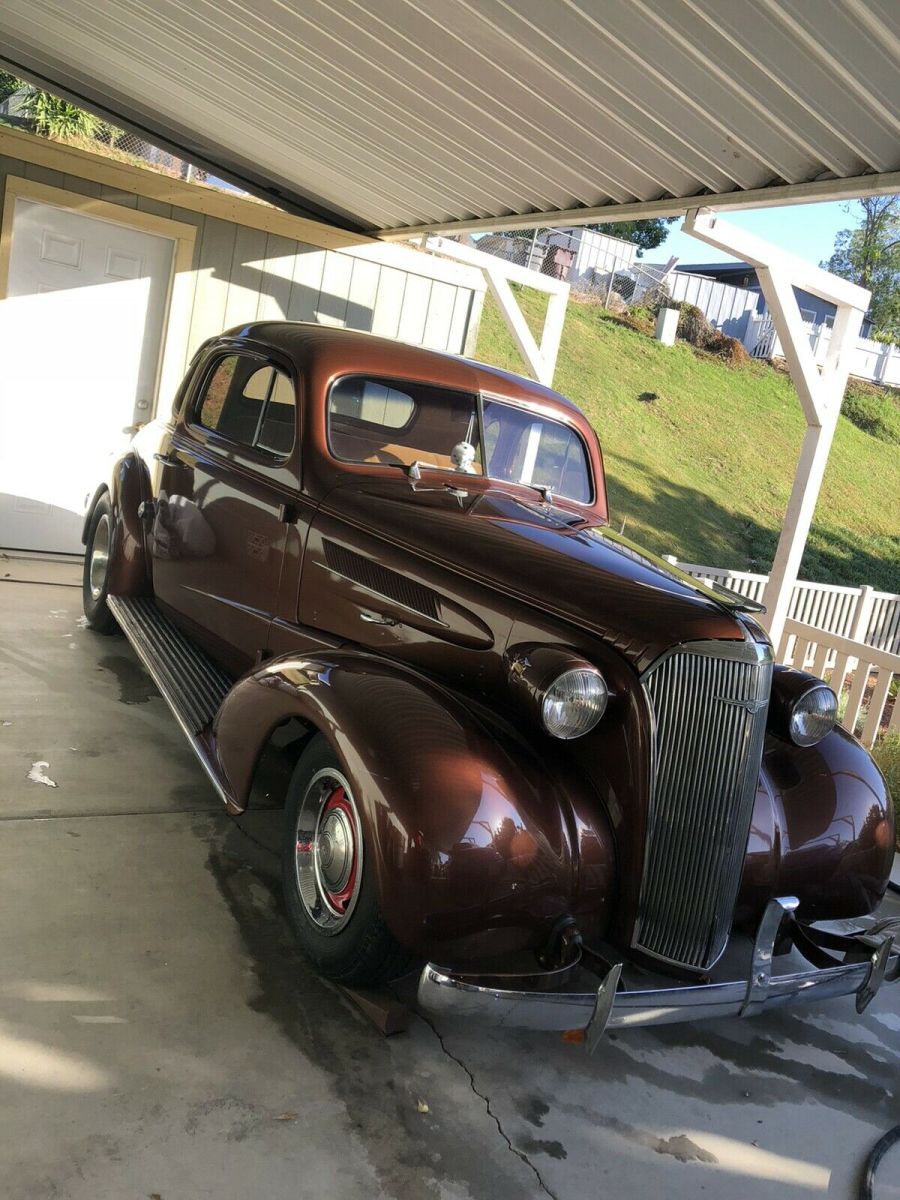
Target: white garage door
80 337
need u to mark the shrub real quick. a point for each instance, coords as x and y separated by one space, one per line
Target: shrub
693 326
56 118
873 410
727 348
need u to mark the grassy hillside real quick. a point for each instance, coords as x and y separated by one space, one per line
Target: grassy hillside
700 456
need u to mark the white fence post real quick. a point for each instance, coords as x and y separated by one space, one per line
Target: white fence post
885 363
862 613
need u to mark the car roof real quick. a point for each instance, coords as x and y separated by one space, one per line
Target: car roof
304 341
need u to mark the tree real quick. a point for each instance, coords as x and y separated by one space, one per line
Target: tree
8 85
869 255
55 118
50 116
646 234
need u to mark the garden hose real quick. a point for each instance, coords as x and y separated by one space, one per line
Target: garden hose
879 1150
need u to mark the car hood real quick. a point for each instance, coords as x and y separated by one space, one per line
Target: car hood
546 556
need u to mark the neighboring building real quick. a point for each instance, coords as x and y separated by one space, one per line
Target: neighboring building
813 309
585 255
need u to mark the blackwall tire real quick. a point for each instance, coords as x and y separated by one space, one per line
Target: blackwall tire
329 885
95 581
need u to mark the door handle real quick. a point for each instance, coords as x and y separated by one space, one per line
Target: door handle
288 514
167 461
377 618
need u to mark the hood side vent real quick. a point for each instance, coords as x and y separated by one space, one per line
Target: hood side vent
381 580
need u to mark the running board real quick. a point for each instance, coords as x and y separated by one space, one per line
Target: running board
188 679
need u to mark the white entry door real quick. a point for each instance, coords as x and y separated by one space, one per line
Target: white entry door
80 336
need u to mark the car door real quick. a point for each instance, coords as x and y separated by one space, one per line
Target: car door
226 503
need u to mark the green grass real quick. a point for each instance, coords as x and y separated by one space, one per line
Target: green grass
700 456
886 753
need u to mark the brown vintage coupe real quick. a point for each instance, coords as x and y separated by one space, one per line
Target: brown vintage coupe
557 770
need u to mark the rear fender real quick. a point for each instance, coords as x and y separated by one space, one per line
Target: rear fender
477 850
128 486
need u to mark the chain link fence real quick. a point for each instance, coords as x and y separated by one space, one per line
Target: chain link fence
65 123
593 264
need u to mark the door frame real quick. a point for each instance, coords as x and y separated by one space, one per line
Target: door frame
179 293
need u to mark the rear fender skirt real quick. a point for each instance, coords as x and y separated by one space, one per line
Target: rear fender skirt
822 830
476 849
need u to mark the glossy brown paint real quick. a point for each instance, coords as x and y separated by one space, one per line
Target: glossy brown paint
479 848
483 827
220 539
127 487
516 547
822 830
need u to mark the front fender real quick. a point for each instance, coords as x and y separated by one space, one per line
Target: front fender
822 830
477 849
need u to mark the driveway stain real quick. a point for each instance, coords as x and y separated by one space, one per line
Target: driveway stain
539 1146
135 685
533 1109
380 1099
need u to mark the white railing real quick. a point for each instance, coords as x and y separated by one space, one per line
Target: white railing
867 674
861 614
878 361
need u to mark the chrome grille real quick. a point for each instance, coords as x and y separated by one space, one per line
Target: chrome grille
709 702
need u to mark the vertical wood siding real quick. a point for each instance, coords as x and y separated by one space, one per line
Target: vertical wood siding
242 274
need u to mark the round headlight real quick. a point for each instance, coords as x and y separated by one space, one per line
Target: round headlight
574 703
813 716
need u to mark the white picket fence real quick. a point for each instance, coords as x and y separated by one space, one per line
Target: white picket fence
859 613
851 636
877 361
868 672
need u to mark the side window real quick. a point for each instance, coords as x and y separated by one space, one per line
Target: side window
250 402
368 400
399 422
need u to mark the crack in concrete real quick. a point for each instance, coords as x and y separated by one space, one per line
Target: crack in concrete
520 1154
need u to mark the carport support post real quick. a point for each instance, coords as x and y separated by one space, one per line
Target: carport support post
498 274
821 390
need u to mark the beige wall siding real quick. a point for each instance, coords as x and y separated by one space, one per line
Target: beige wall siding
243 274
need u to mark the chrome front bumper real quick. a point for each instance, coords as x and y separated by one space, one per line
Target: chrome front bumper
610 1006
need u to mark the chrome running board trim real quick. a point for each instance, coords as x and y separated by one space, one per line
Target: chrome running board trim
163 650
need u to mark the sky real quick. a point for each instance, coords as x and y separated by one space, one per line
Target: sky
807 230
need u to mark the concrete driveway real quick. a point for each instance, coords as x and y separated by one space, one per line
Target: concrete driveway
160 1038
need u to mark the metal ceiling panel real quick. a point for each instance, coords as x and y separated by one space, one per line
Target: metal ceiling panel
396 115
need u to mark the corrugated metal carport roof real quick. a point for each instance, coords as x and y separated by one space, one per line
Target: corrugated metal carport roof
398 114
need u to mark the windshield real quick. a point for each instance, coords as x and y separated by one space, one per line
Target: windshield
525 448
398 422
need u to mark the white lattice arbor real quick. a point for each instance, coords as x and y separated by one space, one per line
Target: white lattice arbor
821 389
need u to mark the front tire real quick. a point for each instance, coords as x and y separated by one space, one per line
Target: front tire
95 581
329 885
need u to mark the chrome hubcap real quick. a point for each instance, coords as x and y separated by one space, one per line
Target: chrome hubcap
329 851
99 557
